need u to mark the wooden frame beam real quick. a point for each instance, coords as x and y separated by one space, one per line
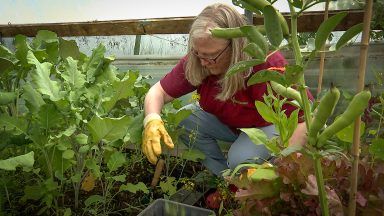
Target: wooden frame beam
308 22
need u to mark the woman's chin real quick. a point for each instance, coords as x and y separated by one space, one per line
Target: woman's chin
214 72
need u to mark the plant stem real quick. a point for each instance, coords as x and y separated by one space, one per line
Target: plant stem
299 61
307 112
321 185
294 39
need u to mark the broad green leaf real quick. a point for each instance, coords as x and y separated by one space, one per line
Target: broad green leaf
14 124
68 154
266 112
292 123
67 212
52 50
240 167
178 104
58 161
48 42
25 161
41 55
293 73
346 134
7 58
7 97
134 188
243 66
44 36
377 148
7 54
256 135
49 116
76 178
84 149
72 75
254 51
254 36
291 149
33 99
67 132
109 129
266 75
193 155
81 139
135 129
22 49
169 186
179 116
92 165
264 174
68 48
297 3
326 28
95 63
94 199
9 140
116 160
348 35
34 192
41 78
273 145
108 74
122 89
119 178
5 64
272 26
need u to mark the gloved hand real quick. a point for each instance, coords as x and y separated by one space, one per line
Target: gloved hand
154 130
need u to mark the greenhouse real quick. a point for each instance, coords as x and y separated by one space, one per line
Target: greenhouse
242 107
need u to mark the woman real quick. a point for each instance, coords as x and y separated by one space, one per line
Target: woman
225 104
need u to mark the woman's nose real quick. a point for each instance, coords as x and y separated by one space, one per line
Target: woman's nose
204 62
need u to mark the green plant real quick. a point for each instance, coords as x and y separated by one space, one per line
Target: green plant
76 113
294 76
325 109
355 108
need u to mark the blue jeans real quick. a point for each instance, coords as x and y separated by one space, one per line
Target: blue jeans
207 130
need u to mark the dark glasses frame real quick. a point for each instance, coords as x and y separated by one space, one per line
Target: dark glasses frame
210 60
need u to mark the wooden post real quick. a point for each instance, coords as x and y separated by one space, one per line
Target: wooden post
356 132
322 57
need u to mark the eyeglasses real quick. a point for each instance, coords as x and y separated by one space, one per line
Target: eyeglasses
210 60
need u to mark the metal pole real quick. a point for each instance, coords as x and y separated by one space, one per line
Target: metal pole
249 15
136 50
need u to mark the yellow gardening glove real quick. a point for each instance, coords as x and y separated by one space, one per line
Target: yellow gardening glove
154 130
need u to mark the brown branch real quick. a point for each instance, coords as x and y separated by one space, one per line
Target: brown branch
360 87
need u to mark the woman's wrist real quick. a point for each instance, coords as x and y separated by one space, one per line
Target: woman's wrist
150 117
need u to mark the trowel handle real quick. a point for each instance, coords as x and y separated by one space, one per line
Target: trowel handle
159 168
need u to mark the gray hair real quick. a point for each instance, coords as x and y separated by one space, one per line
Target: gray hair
218 16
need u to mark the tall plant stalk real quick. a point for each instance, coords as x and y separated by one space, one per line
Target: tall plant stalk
361 80
307 113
